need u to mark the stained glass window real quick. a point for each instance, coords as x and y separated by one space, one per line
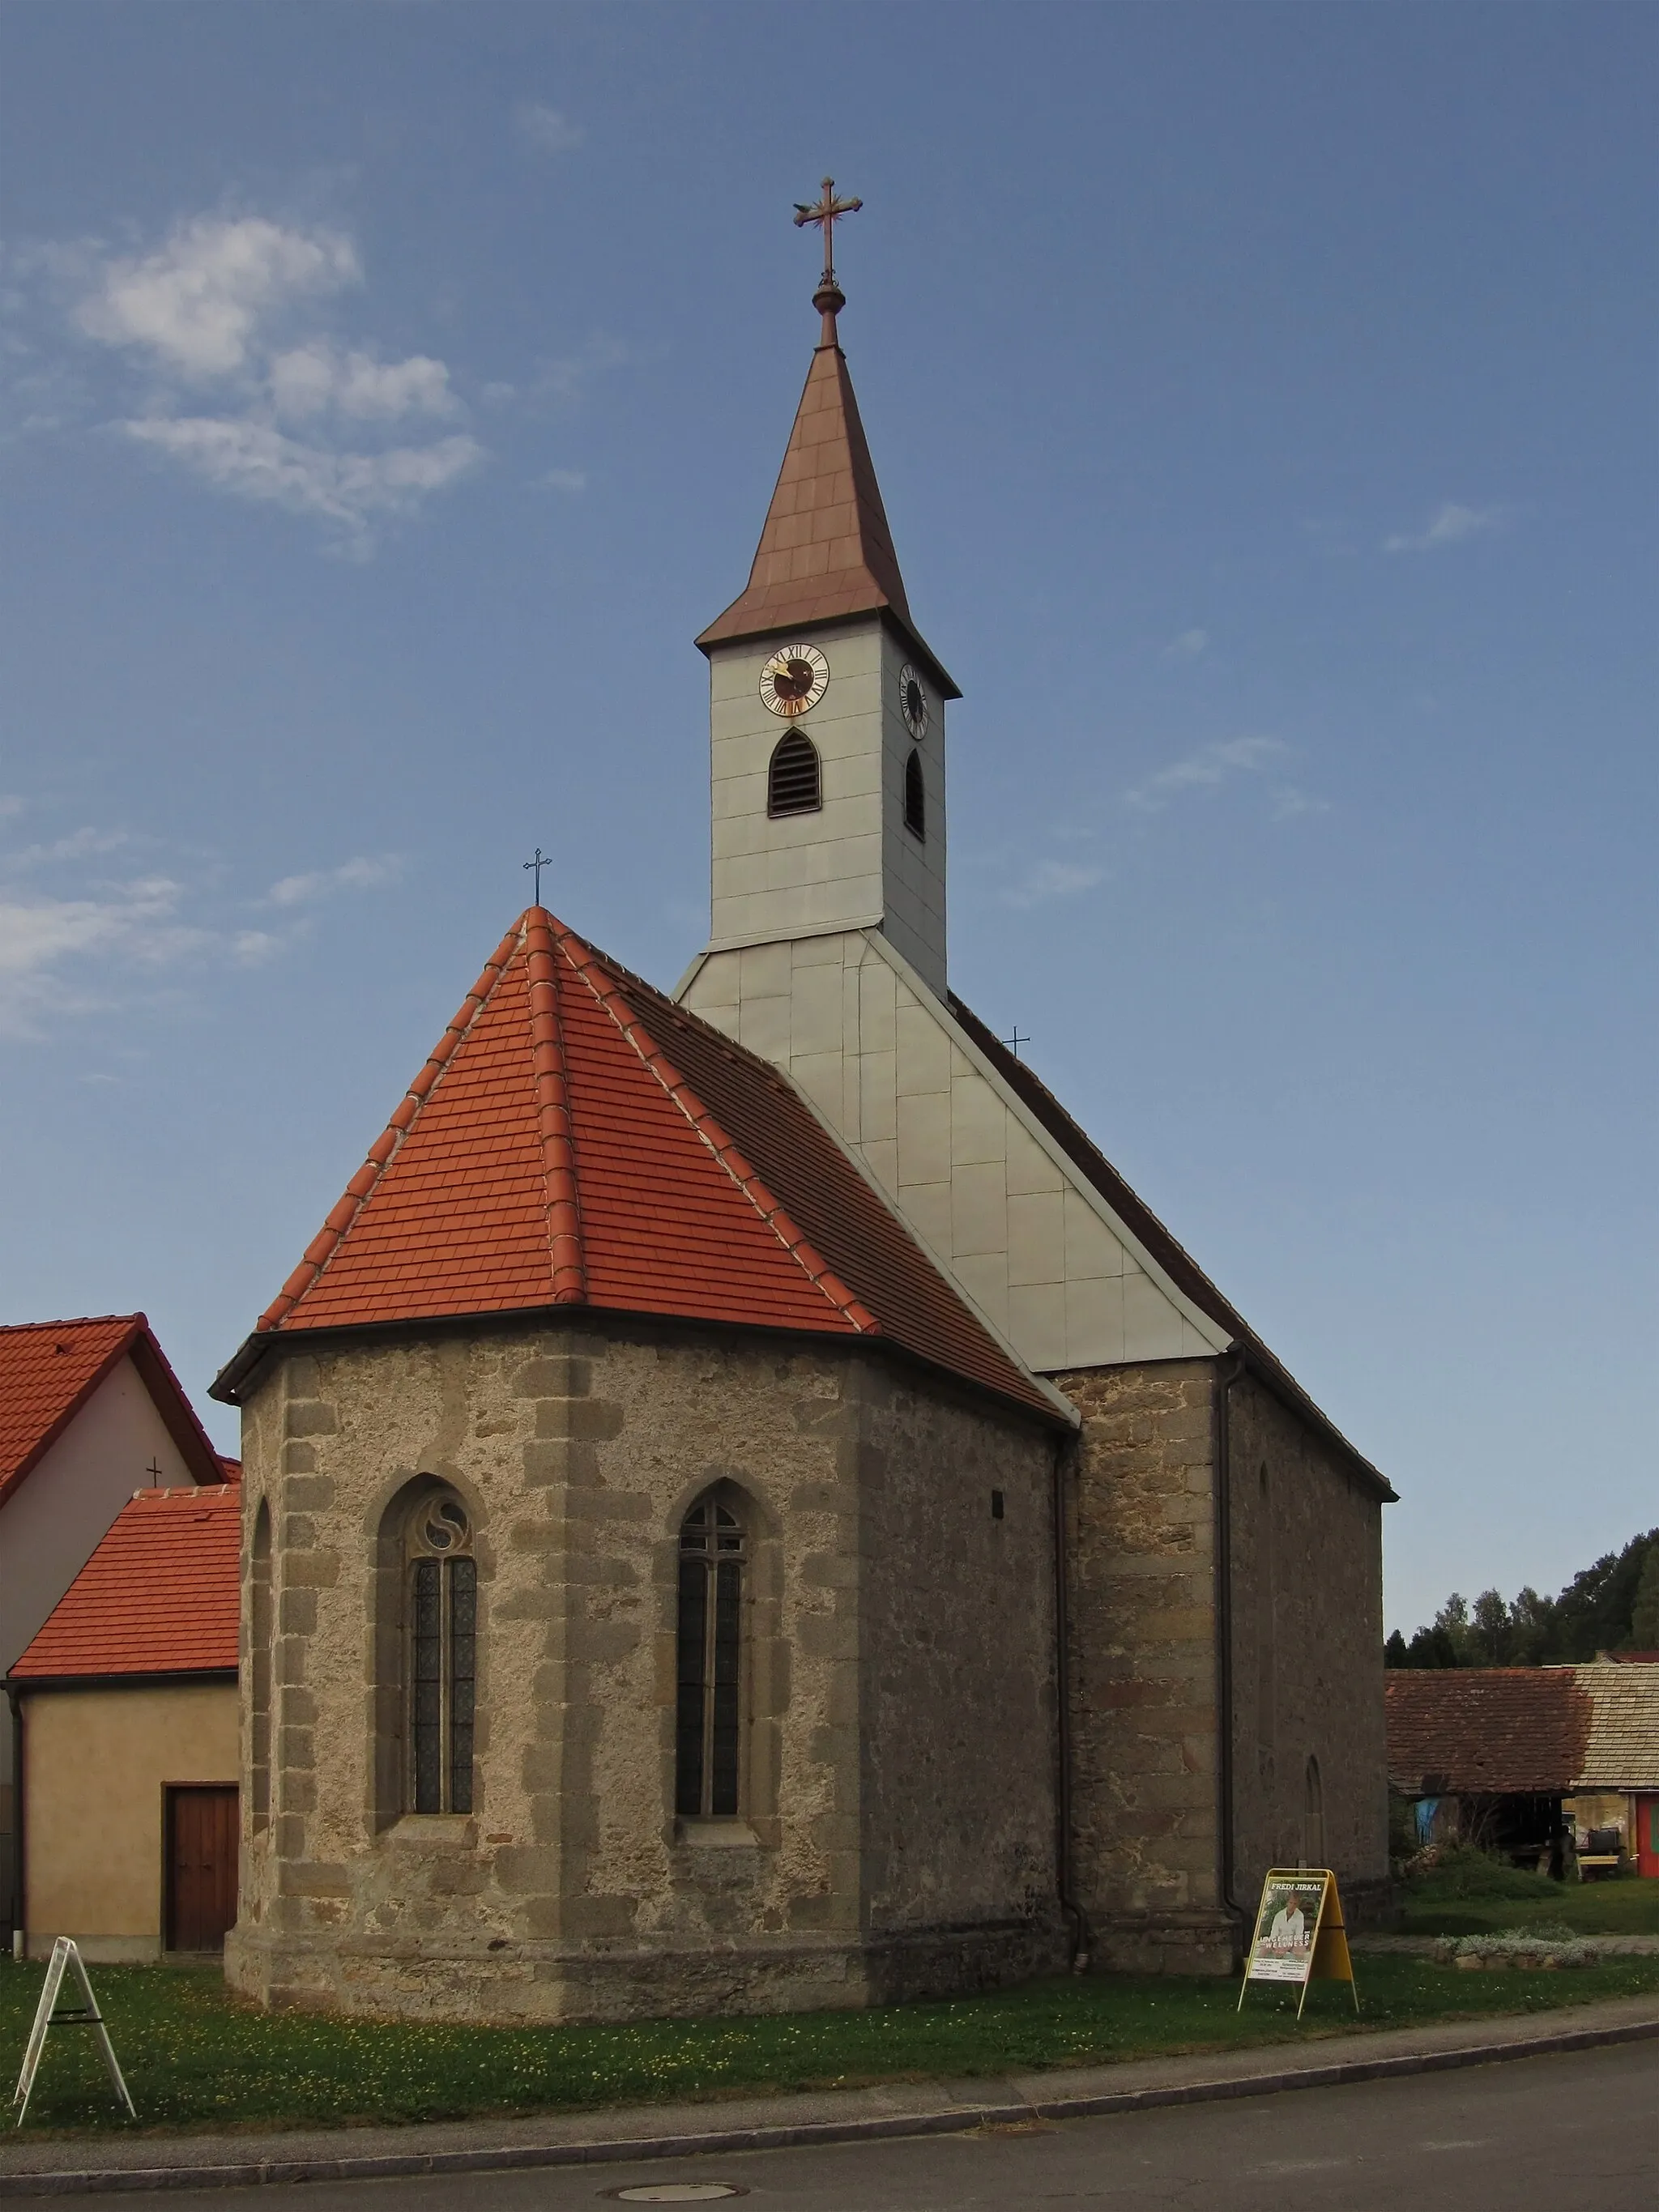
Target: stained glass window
708 1720
443 1641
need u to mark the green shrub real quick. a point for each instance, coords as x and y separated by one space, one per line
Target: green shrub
1455 1869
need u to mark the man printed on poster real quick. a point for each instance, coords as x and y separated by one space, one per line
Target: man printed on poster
1286 1927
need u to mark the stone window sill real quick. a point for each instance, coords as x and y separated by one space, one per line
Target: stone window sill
719 1834
435 1831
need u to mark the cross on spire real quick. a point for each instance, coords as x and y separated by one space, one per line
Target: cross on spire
826 212
536 867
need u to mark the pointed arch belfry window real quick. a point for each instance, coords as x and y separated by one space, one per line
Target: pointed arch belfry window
442 1654
915 798
708 1715
794 783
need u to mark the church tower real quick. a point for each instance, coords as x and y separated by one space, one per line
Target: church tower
1221 1718
827 707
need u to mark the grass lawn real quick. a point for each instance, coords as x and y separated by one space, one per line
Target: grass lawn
1458 1907
195 2060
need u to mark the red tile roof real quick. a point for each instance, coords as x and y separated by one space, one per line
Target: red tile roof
825 551
576 1139
50 1369
1469 1730
158 1596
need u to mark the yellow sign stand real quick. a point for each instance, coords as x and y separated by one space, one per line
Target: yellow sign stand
1300 1934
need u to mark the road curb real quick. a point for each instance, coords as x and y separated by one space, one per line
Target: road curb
951 2119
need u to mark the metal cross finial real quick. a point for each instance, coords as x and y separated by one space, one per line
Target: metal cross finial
826 212
536 867
1015 1041
154 1468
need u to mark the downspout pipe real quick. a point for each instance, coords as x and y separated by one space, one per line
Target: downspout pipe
1228 1369
1077 1921
18 1867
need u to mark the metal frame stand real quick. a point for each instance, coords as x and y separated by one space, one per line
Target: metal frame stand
65 1954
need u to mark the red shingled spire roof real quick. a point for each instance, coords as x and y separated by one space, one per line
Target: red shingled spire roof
561 1147
825 551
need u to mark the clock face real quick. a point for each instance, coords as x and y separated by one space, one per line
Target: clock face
913 702
794 679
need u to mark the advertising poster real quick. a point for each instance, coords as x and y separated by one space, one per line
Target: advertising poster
1299 1933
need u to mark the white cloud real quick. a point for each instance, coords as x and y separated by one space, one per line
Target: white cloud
360 874
1187 646
1051 879
1448 526
562 480
198 303
544 129
1206 770
312 379
254 461
134 924
220 303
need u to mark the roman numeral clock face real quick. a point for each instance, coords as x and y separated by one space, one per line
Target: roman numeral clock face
794 679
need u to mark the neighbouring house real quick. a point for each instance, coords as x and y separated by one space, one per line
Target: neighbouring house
1617 1788
126 1710
89 1412
1524 1759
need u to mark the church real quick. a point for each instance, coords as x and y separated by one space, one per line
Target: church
744 1510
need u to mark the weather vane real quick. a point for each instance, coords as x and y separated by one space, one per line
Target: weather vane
826 212
535 866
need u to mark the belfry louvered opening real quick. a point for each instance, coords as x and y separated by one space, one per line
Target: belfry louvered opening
792 782
915 798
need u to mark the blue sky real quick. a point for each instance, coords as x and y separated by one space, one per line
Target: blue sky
1263 396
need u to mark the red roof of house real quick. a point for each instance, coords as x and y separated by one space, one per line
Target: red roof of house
825 549
1467 1730
158 1596
575 1139
50 1369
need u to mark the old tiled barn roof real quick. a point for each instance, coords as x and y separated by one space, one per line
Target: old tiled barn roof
1463 1730
50 1369
825 551
158 1596
576 1140
1623 1750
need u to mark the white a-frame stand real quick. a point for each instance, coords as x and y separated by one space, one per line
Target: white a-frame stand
65 1954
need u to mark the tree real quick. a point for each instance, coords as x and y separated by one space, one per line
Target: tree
1644 1612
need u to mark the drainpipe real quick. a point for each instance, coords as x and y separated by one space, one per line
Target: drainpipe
1076 1920
1228 1369
19 1931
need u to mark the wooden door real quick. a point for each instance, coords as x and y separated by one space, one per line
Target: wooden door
203 1829
1647 1836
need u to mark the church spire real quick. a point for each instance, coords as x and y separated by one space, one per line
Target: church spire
826 551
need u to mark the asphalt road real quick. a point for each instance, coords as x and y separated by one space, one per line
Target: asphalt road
1577 2129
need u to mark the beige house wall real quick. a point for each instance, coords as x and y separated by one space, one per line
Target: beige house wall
898 1800
96 1764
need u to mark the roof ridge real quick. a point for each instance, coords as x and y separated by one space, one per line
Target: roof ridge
70 1320
329 1238
610 995
553 1124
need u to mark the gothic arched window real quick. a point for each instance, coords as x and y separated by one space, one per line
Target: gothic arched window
1313 1817
708 1716
792 785
915 798
442 1654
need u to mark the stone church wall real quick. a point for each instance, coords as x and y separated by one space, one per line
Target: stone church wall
1305 1639
571 1891
1308 1749
1142 1630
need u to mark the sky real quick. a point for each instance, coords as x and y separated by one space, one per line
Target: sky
1263 396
